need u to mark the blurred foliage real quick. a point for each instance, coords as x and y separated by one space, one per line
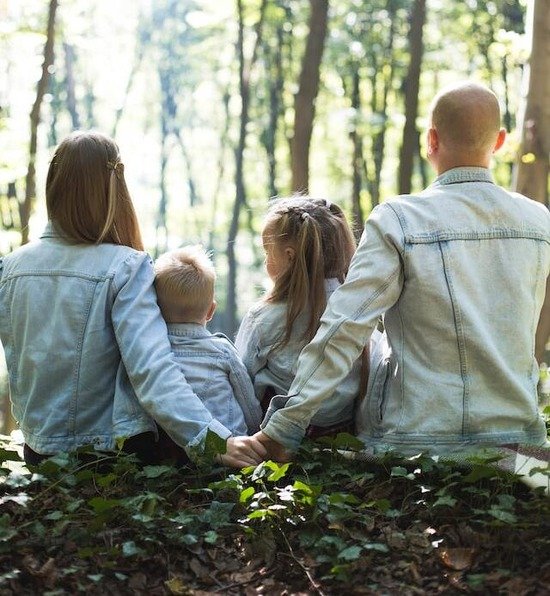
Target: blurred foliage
163 75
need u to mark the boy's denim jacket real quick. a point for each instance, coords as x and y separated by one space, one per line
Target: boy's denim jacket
87 350
460 272
216 373
261 328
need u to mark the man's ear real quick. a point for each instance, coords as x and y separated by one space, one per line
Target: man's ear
290 254
500 139
433 141
211 310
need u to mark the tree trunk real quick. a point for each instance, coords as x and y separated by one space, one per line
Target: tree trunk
240 189
70 85
358 163
533 162
304 104
25 208
408 146
379 138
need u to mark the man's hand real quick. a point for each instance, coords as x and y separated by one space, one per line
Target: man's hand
275 451
242 452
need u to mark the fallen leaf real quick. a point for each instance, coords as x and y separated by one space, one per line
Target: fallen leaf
457 558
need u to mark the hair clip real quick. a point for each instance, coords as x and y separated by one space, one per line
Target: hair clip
305 215
328 204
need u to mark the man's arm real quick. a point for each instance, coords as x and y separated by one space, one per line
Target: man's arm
373 285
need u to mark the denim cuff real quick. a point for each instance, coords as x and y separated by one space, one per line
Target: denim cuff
215 427
277 402
287 433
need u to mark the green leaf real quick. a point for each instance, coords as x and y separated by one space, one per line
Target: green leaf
129 549
9 455
278 472
100 504
351 553
445 501
211 537
157 471
246 494
502 515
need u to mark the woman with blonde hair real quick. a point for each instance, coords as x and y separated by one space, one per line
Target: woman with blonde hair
86 347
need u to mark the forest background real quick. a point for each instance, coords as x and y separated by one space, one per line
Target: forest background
219 106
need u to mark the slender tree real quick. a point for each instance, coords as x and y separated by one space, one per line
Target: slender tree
25 208
412 85
245 68
533 166
304 105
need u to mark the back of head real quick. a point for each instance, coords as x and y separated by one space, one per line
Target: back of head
184 282
466 117
86 194
318 232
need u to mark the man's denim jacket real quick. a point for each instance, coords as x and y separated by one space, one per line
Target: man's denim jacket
261 328
217 374
460 272
87 349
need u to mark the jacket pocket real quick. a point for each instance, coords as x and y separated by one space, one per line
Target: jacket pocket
377 395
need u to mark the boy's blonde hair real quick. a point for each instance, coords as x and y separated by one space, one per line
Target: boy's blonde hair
184 282
86 194
324 244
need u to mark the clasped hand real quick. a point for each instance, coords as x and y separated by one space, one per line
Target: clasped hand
250 451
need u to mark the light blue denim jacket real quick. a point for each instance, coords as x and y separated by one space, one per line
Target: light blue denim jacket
460 272
260 330
87 349
216 373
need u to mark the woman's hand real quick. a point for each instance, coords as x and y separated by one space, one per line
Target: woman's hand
243 451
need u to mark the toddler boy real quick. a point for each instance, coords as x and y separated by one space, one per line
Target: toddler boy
184 283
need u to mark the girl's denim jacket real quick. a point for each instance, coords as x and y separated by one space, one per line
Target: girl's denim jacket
460 272
261 328
87 350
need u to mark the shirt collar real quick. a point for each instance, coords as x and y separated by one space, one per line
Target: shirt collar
188 330
463 174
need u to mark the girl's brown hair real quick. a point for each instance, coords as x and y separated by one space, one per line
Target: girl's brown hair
86 194
323 242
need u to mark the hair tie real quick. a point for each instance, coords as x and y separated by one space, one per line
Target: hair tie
305 215
113 165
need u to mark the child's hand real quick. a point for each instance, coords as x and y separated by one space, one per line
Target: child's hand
275 451
243 451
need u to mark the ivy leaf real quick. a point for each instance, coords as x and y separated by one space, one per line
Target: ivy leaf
100 505
130 549
351 553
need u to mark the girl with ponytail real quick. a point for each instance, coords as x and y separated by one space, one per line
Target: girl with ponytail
308 245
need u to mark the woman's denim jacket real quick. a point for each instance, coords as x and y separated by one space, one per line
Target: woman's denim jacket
460 272
274 368
87 350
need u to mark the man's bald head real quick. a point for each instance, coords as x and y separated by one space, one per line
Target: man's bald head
466 117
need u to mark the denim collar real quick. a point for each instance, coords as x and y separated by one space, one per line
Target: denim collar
463 174
51 231
188 330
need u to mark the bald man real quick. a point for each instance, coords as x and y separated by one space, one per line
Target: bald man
459 273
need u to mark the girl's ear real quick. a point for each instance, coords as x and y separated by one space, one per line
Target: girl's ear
290 254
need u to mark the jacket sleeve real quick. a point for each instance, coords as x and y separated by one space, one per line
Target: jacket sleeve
243 391
373 285
142 337
248 344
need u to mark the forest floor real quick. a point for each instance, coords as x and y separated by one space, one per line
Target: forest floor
321 525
